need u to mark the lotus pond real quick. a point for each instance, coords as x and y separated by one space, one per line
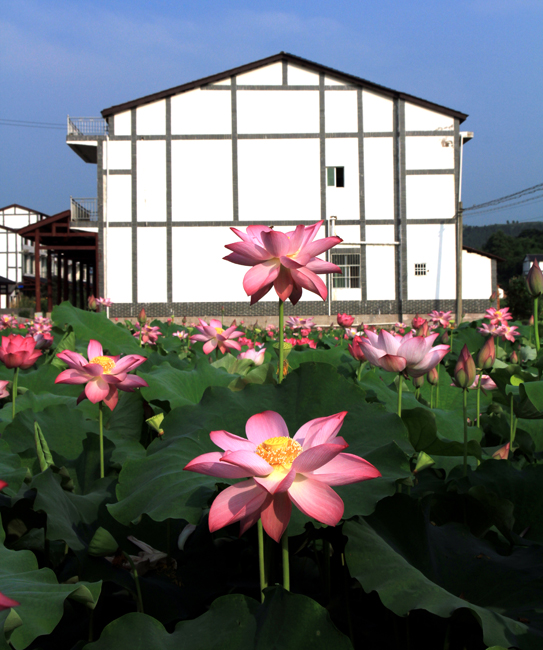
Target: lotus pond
435 552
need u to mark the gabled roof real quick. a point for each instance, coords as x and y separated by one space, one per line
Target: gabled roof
296 60
469 249
22 207
532 257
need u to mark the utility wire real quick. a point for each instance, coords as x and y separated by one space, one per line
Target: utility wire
32 125
534 199
504 199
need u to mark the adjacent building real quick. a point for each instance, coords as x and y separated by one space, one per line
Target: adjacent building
280 141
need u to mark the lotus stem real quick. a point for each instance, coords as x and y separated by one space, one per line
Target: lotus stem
465 418
512 426
479 399
359 373
281 339
437 387
400 387
136 581
14 392
286 567
432 396
261 560
536 324
101 426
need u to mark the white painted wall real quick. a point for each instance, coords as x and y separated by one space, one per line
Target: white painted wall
202 180
119 154
279 179
380 266
340 111
434 245
199 274
330 81
119 264
349 233
297 76
151 118
428 152
278 111
122 123
476 276
377 113
379 178
151 180
119 197
343 202
152 274
430 196
422 119
269 75
202 112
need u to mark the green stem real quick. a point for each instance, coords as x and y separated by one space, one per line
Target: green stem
400 387
286 567
136 581
465 414
432 396
512 427
261 560
14 391
437 387
101 426
479 399
359 373
417 394
281 339
536 324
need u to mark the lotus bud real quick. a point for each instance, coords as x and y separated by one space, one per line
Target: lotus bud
418 321
418 381
103 543
531 321
433 377
423 461
423 329
445 338
344 320
502 453
534 280
355 349
464 372
142 317
487 355
92 302
514 357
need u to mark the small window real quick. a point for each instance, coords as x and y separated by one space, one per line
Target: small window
349 263
420 269
335 176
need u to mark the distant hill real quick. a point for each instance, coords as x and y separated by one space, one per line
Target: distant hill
477 236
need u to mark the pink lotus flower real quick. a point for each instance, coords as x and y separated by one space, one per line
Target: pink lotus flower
3 393
413 355
440 318
148 334
490 330
103 375
286 261
254 355
7 322
6 603
181 334
44 340
508 332
498 316
283 471
18 351
355 349
215 336
487 383
104 302
344 320
302 341
418 321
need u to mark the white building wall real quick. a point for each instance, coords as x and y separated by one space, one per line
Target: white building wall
380 264
122 123
430 196
427 152
476 276
435 246
299 77
151 180
279 179
343 202
202 180
340 111
422 119
269 75
119 264
119 154
151 118
377 113
379 178
119 197
202 112
152 273
277 111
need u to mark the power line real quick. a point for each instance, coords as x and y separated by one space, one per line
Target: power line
504 199
534 199
31 125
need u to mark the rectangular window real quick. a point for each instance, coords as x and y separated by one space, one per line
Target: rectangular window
335 176
420 269
349 263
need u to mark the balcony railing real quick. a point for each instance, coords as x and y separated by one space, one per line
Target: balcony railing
87 126
84 209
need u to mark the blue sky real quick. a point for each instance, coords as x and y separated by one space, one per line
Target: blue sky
482 57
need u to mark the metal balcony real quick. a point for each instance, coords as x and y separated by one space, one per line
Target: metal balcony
93 126
84 209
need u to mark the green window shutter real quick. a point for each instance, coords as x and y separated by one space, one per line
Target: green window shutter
331 173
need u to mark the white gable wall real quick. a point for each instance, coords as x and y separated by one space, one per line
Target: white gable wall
270 111
201 112
476 276
435 246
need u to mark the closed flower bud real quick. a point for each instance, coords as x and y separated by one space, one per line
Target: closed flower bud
418 321
423 329
92 303
487 355
534 280
433 377
464 372
344 320
142 317
445 338
418 381
514 357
